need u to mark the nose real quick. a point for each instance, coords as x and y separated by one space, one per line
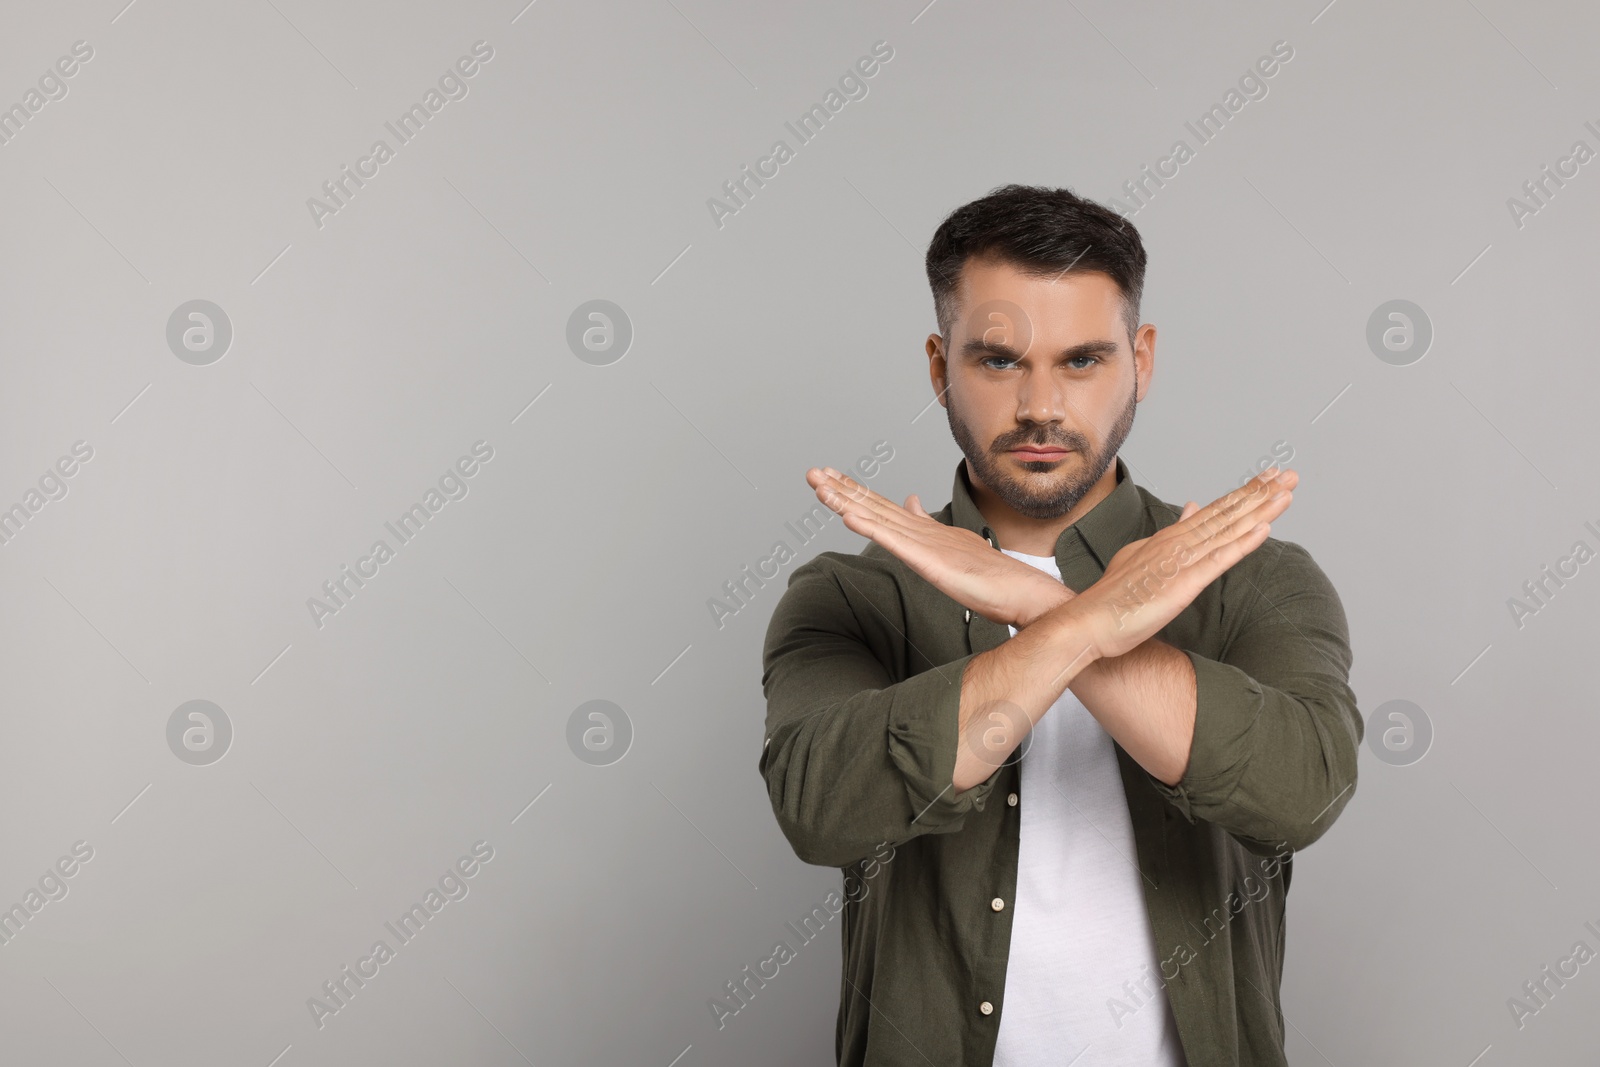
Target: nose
1041 399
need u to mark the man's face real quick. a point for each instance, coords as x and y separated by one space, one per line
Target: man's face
1042 382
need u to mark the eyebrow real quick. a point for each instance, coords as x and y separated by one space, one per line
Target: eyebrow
977 348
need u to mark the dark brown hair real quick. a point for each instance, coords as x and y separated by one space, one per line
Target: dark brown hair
1041 231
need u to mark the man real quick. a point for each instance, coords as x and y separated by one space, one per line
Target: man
1076 732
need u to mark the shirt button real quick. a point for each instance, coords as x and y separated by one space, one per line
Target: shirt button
986 1008
997 904
1012 800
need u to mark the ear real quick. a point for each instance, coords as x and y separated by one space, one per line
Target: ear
938 366
1144 359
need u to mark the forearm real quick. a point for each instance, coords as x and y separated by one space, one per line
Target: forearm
852 759
1008 689
1145 699
1271 726
1270 764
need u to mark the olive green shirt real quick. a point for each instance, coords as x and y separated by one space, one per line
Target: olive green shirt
862 670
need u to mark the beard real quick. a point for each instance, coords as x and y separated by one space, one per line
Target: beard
1044 497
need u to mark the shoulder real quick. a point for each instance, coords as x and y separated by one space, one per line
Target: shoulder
873 564
872 585
832 581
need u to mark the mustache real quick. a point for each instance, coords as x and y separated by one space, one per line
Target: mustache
1041 438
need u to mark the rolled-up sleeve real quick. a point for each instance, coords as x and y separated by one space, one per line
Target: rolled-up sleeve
1277 730
853 758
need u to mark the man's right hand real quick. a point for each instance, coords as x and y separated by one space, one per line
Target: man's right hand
1150 581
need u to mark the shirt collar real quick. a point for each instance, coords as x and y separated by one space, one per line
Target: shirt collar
1109 525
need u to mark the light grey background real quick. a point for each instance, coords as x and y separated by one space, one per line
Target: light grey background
428 313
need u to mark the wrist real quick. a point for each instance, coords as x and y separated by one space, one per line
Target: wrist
1070 637
1046 600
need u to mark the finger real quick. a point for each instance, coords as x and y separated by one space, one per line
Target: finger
1227 555
856 491
1208 530
1188 509
853 494
861 519
1248 495
833 491
1257 488
1242 524
1213 559
846 486
818 477
907 534
915 536
1230 505
862 524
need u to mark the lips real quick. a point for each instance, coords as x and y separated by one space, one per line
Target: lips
1039 454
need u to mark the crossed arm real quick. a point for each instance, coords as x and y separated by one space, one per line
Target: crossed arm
1262 743
1099 643
1145 699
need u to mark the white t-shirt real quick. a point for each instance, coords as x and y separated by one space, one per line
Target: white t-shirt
1083 983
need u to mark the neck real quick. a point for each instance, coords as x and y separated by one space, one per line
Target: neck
1030 536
